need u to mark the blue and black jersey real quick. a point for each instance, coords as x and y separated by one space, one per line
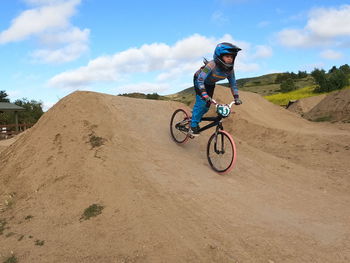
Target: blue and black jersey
206 77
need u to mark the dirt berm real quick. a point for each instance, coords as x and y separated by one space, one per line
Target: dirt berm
287 200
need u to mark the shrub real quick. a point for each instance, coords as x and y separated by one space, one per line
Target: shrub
288 85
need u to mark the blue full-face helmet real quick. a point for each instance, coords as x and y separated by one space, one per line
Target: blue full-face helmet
224 49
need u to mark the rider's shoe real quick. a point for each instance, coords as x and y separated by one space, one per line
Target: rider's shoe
194 131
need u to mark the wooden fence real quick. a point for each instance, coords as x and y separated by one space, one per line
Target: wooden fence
9 130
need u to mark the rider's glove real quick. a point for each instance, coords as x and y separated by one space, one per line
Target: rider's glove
237 100
207 99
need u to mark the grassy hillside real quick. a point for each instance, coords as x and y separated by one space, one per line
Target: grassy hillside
282 99
263 85
185 96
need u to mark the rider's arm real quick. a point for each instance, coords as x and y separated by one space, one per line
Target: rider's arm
203 74
232 80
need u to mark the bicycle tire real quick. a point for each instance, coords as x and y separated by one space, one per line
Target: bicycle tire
179 126
222 156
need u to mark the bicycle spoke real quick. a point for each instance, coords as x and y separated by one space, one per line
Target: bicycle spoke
221 152
179 126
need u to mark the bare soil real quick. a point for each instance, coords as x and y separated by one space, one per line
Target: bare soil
151 200
334 107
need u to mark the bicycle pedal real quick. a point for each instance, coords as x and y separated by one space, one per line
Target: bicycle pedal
192 136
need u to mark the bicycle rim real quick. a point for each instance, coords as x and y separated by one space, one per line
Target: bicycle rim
179 126
221 152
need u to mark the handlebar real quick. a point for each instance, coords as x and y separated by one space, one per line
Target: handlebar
217 104
223 110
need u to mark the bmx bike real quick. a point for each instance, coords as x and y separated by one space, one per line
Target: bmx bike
221 148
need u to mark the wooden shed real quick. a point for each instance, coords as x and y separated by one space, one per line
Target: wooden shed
10 107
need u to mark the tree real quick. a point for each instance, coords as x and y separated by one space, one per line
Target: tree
320 79
3 96
33 110
337 80
153 96
345 68
292 75
282 77
286 75
302 74
333 69
288 85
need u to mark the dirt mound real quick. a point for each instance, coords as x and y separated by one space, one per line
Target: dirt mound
335 107
5 143
98 179
302 106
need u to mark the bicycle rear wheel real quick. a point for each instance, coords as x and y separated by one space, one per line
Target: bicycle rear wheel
221 152
179 126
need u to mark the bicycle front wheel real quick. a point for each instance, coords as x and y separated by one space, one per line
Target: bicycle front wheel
179 126
221 152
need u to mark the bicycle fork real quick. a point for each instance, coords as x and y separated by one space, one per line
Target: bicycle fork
219 147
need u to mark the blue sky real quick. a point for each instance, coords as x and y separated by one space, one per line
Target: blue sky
50 48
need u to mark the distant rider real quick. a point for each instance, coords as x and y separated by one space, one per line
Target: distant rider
205 78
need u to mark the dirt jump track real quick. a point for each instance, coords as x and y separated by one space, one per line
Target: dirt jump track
287 199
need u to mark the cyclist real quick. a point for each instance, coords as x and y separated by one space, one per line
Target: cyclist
205 78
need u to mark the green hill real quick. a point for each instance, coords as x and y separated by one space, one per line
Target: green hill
267 86
264 85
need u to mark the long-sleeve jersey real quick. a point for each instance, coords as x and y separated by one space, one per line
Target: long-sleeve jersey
210 74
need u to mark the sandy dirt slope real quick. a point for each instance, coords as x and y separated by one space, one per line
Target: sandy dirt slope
335 107
304 105
287 200
6 143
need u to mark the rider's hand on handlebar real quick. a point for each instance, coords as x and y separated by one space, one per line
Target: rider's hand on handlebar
209 101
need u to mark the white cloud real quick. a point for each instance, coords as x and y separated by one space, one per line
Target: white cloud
67 53
49 21
70 35
14 93
173 73
247 67
63 46
38 20
329 23
331 54
42 2
324 26
169 63
298 38
262 52
47 105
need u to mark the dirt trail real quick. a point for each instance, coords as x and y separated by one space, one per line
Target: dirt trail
286 201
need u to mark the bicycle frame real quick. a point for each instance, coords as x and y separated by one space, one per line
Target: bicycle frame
221 149
215 121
